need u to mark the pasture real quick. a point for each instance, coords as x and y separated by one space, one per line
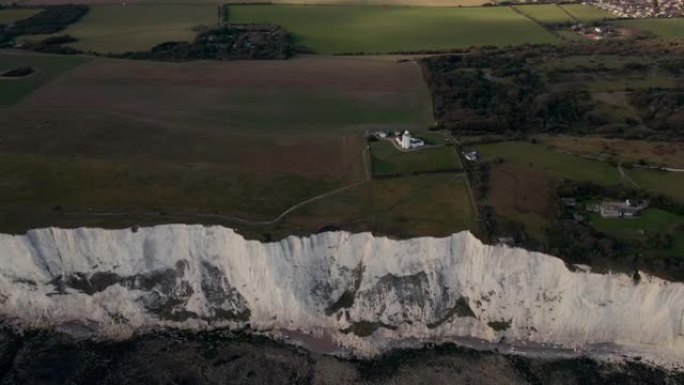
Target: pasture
522 194
191 141
552 162
303 96
662 28
138 27
425 205
388 160
577 168
586 13
669 184
46 67
650 223
545 13
665 154
375 29
425 3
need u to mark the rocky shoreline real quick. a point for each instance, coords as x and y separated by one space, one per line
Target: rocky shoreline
220 357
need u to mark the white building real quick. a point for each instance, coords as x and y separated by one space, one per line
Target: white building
406 142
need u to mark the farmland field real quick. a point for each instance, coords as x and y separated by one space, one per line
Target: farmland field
388 160
577 168
431 3
434 205
666 154
545 13
669 184
555 163
374 29
12 15
522 194
197 142
46 68
586 13
663 28
312 95
138 27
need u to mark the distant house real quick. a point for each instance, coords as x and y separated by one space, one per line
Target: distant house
471 155
569 202
407 142
627 209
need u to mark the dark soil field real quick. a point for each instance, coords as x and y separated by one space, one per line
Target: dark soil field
522 194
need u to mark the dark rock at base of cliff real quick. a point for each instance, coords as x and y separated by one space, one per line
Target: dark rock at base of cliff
223 358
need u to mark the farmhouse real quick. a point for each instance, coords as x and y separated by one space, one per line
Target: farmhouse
407 142
471 155
627 209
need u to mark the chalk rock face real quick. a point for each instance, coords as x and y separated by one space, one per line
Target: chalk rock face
367 293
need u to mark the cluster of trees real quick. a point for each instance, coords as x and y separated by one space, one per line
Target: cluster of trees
663 110
228 42
51 20
55 44
500 94
505 91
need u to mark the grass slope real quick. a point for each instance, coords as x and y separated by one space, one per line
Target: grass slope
47 67
374 29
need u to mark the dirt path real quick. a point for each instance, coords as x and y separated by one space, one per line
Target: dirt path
625 178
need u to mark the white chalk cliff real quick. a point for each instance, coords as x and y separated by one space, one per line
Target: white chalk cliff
367 293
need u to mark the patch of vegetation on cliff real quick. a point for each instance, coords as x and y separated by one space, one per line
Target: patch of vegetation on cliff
366 328
499 326
346 300
461 309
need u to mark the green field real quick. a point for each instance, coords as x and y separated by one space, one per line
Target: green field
545 13
581 169
669 184
314 111
663 28
425 205
374 29
388 160
47 67
137 27
652 221
12 15
553 162
586 13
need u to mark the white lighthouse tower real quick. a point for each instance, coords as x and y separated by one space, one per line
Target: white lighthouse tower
405 140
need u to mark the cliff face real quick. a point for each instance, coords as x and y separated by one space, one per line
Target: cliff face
366 293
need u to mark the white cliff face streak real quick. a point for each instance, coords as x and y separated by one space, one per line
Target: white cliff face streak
368 293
